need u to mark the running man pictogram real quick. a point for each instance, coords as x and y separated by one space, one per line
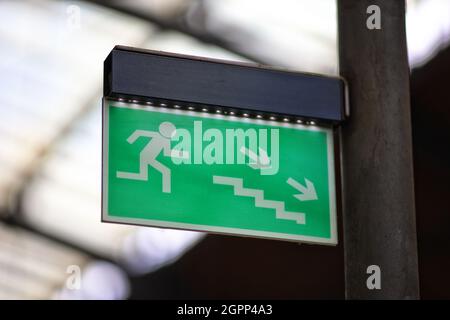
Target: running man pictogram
159 142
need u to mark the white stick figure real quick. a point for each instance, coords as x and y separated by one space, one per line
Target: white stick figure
160 141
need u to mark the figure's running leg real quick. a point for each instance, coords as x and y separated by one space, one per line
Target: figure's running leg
165 175
142 175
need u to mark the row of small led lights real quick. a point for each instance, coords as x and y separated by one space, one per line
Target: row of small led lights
219 111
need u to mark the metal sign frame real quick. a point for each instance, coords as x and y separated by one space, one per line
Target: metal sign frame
145 75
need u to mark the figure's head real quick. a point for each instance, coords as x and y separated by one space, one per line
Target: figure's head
167 129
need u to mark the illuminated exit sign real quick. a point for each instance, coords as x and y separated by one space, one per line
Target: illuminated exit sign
210 172
207 145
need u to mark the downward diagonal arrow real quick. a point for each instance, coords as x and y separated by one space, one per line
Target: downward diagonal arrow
307 193
261 161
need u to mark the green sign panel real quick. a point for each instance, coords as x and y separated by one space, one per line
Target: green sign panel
218 173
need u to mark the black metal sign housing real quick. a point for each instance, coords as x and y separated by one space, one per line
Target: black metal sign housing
188 82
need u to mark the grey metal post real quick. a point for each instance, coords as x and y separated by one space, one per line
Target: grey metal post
377 163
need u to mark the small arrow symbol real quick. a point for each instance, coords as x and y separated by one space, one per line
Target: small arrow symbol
257 162
307 193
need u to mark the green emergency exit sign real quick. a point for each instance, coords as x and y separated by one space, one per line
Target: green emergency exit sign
218 173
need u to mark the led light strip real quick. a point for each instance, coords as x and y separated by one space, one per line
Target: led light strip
218 110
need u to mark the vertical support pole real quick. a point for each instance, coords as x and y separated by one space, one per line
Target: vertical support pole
377 163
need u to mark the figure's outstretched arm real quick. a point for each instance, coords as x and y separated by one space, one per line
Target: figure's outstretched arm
166 149
175 153
179 154
141 133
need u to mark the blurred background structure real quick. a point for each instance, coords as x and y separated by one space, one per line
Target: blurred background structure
51 64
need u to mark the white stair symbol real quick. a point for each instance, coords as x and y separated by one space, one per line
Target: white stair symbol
260 202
